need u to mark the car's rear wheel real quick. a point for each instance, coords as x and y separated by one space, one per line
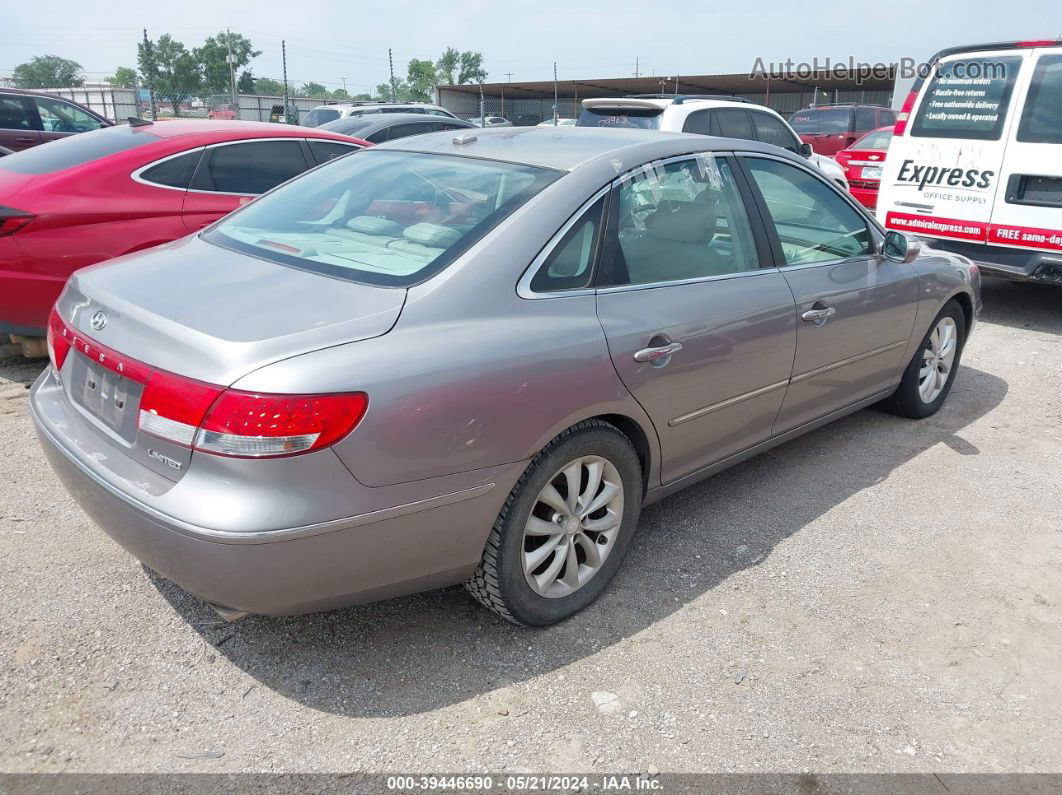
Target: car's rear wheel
928 378
564 528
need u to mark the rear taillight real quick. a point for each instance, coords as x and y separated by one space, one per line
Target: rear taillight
11 220
905 113
216 420
1039 43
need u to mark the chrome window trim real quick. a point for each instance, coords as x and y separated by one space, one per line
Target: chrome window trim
136 175
877 236
717 277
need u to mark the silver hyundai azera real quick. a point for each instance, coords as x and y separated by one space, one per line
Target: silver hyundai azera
474 359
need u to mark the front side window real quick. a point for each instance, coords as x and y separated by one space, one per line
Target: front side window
772 130
814 223
568 266
249 168
967 98
683 220
384 217
414 128
13 114
865 119
59 116
1041 120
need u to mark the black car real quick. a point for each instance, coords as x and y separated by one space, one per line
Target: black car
380 127
29 118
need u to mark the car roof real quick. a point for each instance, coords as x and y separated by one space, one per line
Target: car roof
176 128
400 104
567 148
378 121
664 102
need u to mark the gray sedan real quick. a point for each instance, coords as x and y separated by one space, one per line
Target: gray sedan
474 358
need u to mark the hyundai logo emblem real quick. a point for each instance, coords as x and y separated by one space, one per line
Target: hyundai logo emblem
99 320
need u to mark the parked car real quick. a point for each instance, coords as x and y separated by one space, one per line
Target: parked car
377 128
728 117
323 114
863 162
474 359
831 128
225 111
560 123
490 121
987 185
29 118
94 196
5 151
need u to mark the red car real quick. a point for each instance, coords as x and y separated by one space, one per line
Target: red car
862 163
98 195
831 128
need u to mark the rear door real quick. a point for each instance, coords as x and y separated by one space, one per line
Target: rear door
700 325
943 173
18 124
1028 207
855 309
230 175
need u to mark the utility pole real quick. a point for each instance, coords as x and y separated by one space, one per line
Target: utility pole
394 87
344 85
482 107
150 76
232 75
508 77
555 100
284 61
636 66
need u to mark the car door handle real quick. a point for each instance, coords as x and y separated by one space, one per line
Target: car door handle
25 140
657 354
819 315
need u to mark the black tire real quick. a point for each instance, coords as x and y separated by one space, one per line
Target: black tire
906 401
499 582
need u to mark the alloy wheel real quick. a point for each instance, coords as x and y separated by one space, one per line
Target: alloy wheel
938 358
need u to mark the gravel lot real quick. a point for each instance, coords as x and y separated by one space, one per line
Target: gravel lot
879 595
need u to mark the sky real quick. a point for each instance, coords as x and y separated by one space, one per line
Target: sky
344 43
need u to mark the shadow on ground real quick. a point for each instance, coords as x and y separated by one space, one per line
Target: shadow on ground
1037 307
419 653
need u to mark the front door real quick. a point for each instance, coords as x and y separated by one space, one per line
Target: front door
855 309
700 331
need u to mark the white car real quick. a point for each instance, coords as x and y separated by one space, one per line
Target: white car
490 121
323 114
560 123
975 162
728 117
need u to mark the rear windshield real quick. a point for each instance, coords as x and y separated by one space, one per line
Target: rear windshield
879 139
75 150
381 217
820 121
1041 120
643 118
318 116
967 98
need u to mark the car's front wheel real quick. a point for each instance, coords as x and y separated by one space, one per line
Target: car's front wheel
564 528
928 378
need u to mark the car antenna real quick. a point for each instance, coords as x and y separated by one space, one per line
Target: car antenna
135 122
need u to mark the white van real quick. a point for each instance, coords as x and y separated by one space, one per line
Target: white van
975 162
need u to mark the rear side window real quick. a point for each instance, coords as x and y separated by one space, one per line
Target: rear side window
1041 120
323 151
773 131
76 150
865 119
415 128
176 172
568 266
699 123
821 121
643 118
13 115
732 123
967 99
886 117
249 168
318 116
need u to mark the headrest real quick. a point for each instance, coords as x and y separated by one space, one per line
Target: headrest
686 222
432 235
373 225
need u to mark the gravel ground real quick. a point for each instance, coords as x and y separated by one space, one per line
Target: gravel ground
879 595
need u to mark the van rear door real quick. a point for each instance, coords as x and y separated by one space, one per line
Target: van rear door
1028 209
943 173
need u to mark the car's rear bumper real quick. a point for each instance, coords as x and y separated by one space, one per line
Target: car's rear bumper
1010 263
364 557
868 197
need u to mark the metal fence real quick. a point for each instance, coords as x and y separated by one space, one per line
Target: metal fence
255 107
115 104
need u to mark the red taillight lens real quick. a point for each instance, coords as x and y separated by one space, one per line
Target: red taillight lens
1038 43
11 220
58 340
905 113
172 407
252 425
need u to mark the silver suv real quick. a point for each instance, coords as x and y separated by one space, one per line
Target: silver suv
727 117
323 114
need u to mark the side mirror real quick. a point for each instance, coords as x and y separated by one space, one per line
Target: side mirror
806 150
900 248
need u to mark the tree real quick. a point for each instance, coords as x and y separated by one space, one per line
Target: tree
212 59
267 86
422 80
402 92
340 93
313 90
245 85
446 66
49 71
471 70
124 77
172 70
